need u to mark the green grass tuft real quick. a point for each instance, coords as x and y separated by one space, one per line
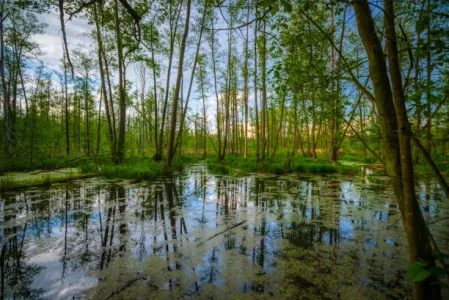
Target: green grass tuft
279 165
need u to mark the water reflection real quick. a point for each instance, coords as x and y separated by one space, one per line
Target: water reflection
200 235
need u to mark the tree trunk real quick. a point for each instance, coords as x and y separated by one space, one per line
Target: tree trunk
393 120
86 107
111 128
280 124
217 99
156 113
264 93
192 76
66 109
5 93
158 155
420 249
122 97
428 83
256 108
97 151
171 148
245 87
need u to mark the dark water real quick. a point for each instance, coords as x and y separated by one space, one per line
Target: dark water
198 235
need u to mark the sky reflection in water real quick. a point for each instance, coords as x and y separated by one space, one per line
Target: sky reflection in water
207 236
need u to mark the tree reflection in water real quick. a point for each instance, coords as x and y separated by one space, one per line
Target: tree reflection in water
197 234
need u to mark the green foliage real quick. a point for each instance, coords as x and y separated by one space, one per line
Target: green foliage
279 165
137 168
420 271
6 184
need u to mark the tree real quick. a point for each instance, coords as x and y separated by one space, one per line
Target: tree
396 136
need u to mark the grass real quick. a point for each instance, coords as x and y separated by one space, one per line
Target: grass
136 168
14 181
233 165
139 168
144 169
422 168
21 165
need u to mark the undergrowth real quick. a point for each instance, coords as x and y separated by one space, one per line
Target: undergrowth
279 165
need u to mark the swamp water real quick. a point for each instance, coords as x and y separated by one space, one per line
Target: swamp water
198 235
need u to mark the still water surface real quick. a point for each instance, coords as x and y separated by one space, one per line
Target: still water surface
198 235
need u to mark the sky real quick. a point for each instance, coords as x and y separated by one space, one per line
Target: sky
50 42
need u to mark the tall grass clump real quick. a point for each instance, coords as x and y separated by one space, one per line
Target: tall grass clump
138 169
6 184
279 165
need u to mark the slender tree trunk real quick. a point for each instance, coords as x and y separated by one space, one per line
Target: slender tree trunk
312 131
122 97
245 86
111 128
111 102
228 94
217 99
64 35
192 76
203 96
171 141
255 94
97 151
156 112
295 124
66 108
158 155
336 110
362 126
86 107
264 92
428 90
5 93
418 100
281 120
333 156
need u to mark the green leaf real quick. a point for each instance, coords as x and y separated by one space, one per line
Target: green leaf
418 272
437 271
421 24
439 46
276 74
287 6
267 3
421 276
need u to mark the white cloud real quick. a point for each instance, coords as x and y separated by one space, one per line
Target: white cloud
50 42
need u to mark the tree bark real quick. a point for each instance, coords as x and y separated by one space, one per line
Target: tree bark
158 155
111 128
245 87
264 93
5 93
256 108
217 99
122 96
396 132
171 146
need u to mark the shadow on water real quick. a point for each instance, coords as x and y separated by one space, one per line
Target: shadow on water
207 236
